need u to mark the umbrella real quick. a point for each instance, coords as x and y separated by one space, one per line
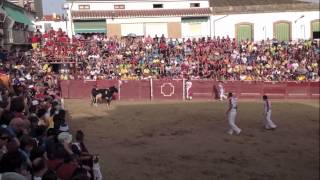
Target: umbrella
132 35
301 71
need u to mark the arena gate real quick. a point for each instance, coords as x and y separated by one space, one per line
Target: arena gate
146 90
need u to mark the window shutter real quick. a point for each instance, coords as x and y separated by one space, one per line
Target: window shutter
282 31
244 32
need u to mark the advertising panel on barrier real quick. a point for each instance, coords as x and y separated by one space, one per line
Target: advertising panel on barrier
167 89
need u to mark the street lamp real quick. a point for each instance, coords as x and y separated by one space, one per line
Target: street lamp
302 16
66 8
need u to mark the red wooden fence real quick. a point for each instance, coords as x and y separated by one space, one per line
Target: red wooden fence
201 89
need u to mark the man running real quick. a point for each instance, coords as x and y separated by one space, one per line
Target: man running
268 123
221 92
232 114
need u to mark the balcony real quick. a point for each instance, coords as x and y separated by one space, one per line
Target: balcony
16 37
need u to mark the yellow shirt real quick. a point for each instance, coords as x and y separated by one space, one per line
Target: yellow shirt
146 71
51 123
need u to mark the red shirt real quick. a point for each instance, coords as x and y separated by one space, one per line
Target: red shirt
54 164
66 171
35 39
45 35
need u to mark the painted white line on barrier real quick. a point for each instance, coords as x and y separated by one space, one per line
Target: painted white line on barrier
297 94
274 94
254 94
202 93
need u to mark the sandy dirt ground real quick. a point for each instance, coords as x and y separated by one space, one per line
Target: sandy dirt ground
188 141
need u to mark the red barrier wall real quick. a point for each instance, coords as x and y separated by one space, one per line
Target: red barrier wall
201 89
135 90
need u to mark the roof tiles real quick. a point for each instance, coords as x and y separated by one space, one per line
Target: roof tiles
83 14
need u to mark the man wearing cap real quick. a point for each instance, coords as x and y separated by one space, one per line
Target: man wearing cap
232 114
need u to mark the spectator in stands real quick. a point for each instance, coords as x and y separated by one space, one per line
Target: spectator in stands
39 168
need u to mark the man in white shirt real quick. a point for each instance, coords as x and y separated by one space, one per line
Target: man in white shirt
268 123
232 114
221 92
188 89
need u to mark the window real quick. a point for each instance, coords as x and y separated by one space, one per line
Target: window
282 30
157 5
194 4
119 6
244 32
84 7
315 29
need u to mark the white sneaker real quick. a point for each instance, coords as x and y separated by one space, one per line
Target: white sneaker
230 132
239 132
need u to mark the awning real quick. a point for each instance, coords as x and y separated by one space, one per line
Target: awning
17 15
194 19
90 27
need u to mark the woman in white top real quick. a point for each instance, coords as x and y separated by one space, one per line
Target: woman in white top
268 123
232 114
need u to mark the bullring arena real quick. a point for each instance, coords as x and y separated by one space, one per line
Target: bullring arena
178 139
159 90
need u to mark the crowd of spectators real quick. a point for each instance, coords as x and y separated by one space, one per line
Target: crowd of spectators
35 142
100 57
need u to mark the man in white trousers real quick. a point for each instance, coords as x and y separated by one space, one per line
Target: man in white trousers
188 89
221 92
232 114
268 123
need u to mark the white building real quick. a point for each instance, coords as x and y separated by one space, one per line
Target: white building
258 20
172 18
245 19
51 21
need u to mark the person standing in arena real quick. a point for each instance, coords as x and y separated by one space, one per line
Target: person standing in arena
268 123
232 114
221 92
188 89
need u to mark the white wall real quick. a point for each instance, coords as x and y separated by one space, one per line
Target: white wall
54 24
135 28
263 24
133 5
204 31
158 29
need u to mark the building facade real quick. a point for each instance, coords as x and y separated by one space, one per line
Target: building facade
16 25
31 5
171 18
185 18
51 21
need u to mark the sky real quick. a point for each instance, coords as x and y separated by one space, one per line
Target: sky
52 6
